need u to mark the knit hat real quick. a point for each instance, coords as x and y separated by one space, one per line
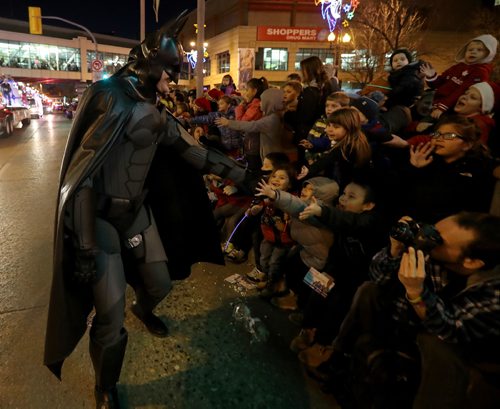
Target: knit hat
324 189
215 94
487 96
203 103
404 51
368 107
489 42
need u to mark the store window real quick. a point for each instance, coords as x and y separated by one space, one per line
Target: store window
206 67
223 62
272 59
324 54
111 62
39 56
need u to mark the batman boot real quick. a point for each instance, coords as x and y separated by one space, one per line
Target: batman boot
154 324
107 363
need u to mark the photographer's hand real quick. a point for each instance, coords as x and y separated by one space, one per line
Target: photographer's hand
412 273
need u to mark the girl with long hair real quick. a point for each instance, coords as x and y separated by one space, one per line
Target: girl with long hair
351 150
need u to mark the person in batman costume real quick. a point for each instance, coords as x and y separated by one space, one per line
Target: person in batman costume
123 215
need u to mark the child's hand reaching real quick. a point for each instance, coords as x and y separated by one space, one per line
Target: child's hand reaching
221 121
427 70
420 155
303 172
436 113
314 209
305 144
265 189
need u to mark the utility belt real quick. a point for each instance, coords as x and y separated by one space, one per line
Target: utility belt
120 212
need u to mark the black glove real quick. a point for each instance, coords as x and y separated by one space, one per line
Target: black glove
85 266
250 182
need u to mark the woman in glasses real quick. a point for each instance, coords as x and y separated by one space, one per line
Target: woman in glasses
451 173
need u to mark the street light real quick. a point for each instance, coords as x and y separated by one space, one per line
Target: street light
335 43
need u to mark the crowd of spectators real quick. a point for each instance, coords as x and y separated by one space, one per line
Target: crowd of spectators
374 225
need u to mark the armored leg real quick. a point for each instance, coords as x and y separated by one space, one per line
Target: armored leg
108 338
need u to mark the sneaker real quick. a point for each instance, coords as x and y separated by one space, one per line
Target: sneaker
256 276
236 256
287 302
304 340
315 355
296 318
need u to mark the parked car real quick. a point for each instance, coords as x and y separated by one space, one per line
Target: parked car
6 122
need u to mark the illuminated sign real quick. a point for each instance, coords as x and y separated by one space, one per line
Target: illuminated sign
268 33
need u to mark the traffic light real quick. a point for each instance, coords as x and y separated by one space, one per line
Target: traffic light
35 15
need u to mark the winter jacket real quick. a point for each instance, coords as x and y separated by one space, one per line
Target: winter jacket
270 126
250 112
229 138
314 239
406 85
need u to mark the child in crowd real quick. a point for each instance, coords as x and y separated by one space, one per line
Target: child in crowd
227 86
182 112
249 234
230 141
271 126
313 239
275 228
198 133
360 231
291 93
405 79
317 141
350 151
474 65
249 110
214 95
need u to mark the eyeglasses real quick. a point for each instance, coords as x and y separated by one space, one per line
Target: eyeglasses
446 135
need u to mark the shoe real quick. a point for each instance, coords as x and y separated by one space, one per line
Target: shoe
315 355
236 256
107 399
227 247
273 289
287 302
304 340
154 324
256 276
296 318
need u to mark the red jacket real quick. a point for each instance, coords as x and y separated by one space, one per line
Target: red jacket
454 82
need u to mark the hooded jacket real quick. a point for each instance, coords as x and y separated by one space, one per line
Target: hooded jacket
314 239
454 81
270 126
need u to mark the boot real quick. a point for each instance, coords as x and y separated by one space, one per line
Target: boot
154 324
107 362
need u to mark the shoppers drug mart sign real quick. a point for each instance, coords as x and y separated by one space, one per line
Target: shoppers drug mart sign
268 33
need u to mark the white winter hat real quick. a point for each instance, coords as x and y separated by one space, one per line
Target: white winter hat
487 96
489 42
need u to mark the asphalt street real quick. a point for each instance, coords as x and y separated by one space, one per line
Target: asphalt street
208 362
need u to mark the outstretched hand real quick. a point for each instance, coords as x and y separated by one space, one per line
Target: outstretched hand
265 189
221 121
427 70
314 209
421 155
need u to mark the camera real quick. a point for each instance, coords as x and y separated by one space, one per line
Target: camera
421 236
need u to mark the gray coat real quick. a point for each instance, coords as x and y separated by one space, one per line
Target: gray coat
314 238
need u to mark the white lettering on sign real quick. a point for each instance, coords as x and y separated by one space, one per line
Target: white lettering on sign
292 33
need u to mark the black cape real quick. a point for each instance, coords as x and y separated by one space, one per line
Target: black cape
176 195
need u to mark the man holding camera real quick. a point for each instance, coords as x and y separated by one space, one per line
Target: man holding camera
448 300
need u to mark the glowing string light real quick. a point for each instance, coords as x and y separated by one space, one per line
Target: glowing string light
334 11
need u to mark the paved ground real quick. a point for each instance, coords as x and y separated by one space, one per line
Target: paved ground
208 362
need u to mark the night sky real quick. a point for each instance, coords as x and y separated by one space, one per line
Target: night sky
115 17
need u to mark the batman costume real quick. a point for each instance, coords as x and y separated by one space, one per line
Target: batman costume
119 174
